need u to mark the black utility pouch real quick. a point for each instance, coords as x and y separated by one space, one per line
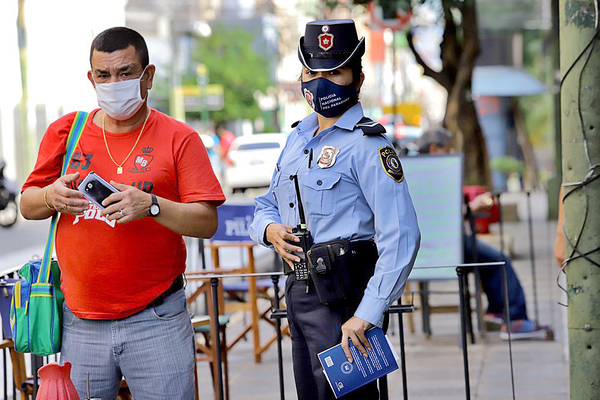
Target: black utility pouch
328 269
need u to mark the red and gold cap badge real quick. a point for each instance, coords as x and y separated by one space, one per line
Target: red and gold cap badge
325 38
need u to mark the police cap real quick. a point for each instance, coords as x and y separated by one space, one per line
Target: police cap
329 44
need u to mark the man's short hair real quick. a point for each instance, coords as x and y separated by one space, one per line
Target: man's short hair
439 136
120 38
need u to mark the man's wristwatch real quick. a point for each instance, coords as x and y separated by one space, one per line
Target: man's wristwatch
154 207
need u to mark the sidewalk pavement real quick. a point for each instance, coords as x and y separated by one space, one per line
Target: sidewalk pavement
435 364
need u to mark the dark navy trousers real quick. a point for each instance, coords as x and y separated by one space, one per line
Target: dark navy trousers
491 279
314 328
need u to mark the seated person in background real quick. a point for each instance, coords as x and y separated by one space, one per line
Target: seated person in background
438 141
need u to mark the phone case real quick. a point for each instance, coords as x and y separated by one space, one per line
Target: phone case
96 189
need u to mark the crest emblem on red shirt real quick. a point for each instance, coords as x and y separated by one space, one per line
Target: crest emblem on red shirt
142 161
309 98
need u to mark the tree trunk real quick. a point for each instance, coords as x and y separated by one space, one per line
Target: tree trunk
458 60
461 115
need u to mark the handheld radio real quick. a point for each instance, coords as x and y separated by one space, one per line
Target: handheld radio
301 232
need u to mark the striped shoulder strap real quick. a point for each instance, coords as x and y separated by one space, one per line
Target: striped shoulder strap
72 140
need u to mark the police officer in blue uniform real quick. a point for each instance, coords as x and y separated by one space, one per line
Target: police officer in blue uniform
357 206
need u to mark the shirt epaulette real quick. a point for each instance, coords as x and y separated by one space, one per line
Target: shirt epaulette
370 127
295 124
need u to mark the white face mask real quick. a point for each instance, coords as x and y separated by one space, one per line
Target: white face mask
120 100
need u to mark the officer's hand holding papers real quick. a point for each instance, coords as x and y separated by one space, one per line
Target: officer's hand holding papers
345 377
355 329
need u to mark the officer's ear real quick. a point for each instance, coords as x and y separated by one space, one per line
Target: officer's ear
360 82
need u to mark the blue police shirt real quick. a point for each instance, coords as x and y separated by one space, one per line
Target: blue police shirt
354 198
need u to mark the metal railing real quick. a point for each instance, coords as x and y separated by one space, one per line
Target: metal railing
277 313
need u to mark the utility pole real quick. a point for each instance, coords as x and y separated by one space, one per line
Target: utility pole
580 126
23 140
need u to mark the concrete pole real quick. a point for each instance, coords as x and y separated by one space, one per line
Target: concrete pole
580 126
23 140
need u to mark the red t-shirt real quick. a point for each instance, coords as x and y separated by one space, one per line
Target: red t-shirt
109 270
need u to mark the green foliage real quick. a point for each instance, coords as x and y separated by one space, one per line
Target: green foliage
538 110
234 63
507 164
507 15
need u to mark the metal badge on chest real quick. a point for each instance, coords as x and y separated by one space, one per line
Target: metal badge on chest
327 157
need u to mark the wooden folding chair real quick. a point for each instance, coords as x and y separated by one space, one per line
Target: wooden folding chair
203 325
232 233
23 383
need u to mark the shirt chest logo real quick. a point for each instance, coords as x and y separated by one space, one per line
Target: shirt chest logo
327 157
141 162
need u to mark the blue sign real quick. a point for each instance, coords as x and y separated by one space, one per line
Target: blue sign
234 221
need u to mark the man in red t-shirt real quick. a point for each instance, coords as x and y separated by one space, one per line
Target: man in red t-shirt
125 309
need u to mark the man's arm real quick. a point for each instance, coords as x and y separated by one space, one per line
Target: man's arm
197 219
41 203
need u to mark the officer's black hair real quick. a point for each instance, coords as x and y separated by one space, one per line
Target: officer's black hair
441 137
119 38
356 66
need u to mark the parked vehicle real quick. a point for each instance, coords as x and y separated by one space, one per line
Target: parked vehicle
253 159
8 199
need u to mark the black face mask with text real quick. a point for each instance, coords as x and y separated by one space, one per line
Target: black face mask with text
327 98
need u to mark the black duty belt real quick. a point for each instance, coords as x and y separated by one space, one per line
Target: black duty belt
363 252
175 286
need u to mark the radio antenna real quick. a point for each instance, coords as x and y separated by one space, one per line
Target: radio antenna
300 207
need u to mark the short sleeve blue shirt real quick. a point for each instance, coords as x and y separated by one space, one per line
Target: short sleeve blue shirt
347 192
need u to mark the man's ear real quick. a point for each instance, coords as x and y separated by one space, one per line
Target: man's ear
150 71
91 79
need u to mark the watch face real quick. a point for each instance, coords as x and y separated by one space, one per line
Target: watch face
154 209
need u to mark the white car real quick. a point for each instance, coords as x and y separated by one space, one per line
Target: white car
253 159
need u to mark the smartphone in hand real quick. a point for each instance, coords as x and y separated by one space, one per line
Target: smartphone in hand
96 189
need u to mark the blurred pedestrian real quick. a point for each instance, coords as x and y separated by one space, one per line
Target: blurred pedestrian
357 204
125 311
439 141
226 138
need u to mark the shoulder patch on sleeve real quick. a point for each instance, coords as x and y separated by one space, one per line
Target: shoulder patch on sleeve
370 127
295 124
391 163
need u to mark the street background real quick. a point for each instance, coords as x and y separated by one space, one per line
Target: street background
434 364
503 116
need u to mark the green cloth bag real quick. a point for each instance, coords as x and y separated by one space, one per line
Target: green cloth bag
36 306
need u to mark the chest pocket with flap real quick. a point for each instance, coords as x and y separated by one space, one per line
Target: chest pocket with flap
320 192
